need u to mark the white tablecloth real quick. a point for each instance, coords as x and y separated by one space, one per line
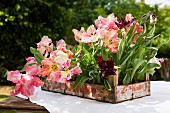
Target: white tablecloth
158 102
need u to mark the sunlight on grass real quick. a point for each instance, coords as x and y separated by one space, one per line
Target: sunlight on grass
5 92
5 111
3 97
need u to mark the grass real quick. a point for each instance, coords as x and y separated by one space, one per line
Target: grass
5 111
5 92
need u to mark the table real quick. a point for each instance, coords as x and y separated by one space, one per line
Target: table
18 105
158 102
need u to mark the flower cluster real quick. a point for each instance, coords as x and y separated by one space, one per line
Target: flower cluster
55 65
123 43
25 82
111 42
108 30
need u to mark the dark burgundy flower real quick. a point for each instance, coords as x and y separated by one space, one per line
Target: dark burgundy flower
106 67
123 24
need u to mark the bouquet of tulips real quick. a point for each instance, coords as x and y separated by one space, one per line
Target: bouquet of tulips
109 45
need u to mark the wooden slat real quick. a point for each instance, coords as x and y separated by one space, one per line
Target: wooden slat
16 103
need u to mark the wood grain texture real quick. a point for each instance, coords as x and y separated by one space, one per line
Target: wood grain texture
18 104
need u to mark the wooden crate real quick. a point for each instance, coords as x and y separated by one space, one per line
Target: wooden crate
99 92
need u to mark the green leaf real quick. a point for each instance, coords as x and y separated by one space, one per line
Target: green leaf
114 58
144 30
151 72
140 39
127 79
130 39
80 81
84 79
107 85
139 76
148 67
77 82
131 30
98 78
140 52
150 40
37 55
136 64
151 53
105 54
151 32
91 72
121 48
87 55
126 57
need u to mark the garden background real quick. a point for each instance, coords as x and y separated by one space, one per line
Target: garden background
24 22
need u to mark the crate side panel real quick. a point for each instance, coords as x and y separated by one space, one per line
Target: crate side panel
123 93
69 88
141 89
98 92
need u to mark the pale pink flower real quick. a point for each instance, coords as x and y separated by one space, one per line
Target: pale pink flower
37 82
111 22
68 52
24 86
100 32
107 23
138 28
155 60
55 76
160 60
61 76
32 70
61 44
129 17
76 70
45 46
65 75
14 76
62 57
86 36
112 41
101 22
30 60
25 83
77 35
48 66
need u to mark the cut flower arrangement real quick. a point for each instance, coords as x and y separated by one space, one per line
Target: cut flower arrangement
112 47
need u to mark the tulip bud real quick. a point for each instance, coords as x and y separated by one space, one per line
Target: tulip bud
153 19
150 16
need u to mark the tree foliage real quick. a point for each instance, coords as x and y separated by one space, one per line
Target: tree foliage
24 22
163 28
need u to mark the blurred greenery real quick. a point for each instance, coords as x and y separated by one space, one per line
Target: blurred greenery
24 22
